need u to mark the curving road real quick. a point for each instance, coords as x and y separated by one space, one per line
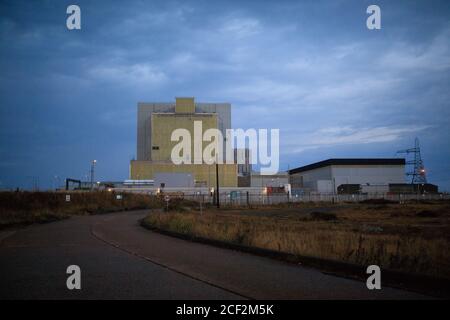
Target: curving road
121 260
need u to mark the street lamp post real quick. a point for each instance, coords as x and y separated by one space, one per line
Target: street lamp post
92 173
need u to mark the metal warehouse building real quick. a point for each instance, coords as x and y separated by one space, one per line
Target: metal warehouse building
332 175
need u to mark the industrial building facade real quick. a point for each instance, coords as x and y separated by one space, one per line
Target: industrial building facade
154 164
183 112
333 175
157 121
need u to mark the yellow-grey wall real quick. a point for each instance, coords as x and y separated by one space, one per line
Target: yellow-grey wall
202 172
163 124
184 105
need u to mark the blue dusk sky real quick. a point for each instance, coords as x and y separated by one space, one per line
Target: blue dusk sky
310 68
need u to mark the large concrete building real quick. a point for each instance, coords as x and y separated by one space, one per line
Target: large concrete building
157 121
372 175
182 112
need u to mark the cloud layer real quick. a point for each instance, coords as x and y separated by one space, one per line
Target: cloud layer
311 69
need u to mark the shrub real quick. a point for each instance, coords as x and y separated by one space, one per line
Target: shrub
322 216
377 201
428 213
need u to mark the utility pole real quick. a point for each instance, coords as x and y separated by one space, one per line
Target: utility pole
92 173
201 206
217 185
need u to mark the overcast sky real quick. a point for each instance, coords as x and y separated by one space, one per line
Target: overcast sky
310 68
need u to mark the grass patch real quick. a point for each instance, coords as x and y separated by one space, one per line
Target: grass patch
392 235
22 208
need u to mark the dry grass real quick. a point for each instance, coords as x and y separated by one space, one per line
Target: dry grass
412 237
19 208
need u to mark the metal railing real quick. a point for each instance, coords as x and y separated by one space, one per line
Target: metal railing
244 198
260 196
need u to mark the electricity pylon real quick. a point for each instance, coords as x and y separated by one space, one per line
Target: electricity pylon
418 173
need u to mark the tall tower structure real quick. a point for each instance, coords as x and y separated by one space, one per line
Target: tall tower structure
418 172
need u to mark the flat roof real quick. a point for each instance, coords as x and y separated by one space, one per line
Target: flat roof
349 162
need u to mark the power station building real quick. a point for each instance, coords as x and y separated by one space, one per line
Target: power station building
155 124
349 175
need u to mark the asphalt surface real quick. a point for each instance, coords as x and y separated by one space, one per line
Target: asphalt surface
121 260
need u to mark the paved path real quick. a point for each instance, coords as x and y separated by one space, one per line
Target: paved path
121 260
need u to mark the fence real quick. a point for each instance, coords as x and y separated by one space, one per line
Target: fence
246 198
260 196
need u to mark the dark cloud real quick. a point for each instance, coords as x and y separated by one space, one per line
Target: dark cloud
310 68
